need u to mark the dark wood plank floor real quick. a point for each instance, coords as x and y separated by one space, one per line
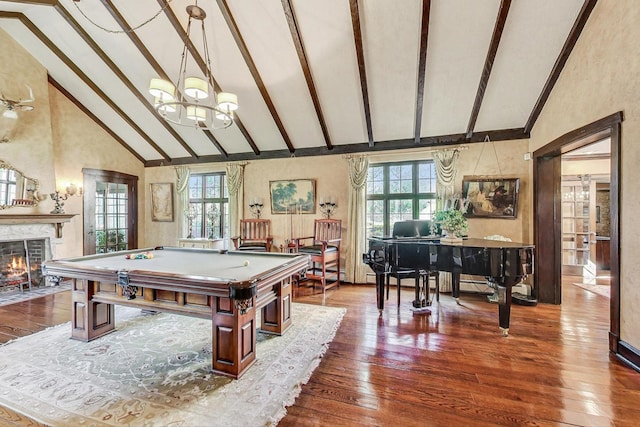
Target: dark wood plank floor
448 369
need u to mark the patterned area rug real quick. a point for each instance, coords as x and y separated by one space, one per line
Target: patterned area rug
155 371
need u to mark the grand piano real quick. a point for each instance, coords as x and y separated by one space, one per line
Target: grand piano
505 264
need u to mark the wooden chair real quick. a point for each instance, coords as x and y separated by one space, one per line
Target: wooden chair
255 235
324 252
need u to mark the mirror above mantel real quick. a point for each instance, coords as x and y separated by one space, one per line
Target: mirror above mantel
17 189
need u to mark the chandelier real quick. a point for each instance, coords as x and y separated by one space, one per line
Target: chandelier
192 101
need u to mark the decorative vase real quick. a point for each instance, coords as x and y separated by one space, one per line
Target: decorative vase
450 237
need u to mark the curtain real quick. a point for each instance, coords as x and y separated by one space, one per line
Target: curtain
182 188
355 269
235 185
446 162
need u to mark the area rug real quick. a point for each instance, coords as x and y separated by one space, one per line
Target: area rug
604 290
14 296
155 371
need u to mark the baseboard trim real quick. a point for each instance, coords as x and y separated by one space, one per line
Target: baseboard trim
629 355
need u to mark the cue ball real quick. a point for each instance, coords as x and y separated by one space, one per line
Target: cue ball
246 262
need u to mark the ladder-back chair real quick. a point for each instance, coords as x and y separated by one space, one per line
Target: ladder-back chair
255 235
324 252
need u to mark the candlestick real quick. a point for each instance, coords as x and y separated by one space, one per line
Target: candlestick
328 206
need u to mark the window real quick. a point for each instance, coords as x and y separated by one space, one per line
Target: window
8 183
209 205
399 191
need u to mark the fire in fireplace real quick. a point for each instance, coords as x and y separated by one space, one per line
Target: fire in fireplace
21 262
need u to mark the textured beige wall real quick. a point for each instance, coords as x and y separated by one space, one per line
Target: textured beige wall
55 141
586 167
599 79
81 143
330 173
31 148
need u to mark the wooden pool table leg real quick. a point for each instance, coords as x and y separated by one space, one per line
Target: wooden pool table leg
233 337
89 319
276 316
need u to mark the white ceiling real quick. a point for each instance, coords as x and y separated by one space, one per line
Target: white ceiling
467 92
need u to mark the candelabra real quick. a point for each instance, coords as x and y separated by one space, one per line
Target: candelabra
255 206
327 207
59 199
190 214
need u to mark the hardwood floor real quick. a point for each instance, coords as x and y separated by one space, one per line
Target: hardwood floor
450 368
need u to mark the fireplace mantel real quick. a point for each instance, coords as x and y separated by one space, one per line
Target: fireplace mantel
57 220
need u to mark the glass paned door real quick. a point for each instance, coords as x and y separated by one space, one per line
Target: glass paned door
111 217
110 214
578 226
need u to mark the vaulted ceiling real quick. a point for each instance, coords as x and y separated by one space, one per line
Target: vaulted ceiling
312 77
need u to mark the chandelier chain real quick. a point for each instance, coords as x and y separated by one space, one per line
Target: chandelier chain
130 30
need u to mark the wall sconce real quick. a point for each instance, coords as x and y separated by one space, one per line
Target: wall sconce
328 206
70 190
255 206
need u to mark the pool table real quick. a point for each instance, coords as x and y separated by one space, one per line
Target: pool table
227 287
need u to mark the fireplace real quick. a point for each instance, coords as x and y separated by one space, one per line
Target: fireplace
26 241
21 263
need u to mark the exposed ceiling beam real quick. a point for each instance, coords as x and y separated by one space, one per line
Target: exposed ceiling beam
114 68
82 76
244 51
569 44
306 69
426 142
108 4
488 63
36 2
93 117
422 65
357 38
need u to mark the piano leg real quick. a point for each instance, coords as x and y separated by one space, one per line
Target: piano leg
455 286
380 282
504 307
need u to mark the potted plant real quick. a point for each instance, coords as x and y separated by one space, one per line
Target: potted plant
453 223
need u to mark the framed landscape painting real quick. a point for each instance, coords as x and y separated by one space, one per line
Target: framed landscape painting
491 197
293 196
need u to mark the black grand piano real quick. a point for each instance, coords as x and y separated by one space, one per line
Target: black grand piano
503 263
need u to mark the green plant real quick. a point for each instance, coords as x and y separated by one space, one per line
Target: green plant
453 221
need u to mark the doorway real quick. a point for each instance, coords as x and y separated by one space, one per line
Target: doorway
586 222
110 211
547 209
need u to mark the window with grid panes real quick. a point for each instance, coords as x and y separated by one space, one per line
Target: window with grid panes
209 205
8 183
397 192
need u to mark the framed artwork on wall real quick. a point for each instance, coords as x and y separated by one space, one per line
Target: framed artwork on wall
293 196
162 202
491 197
